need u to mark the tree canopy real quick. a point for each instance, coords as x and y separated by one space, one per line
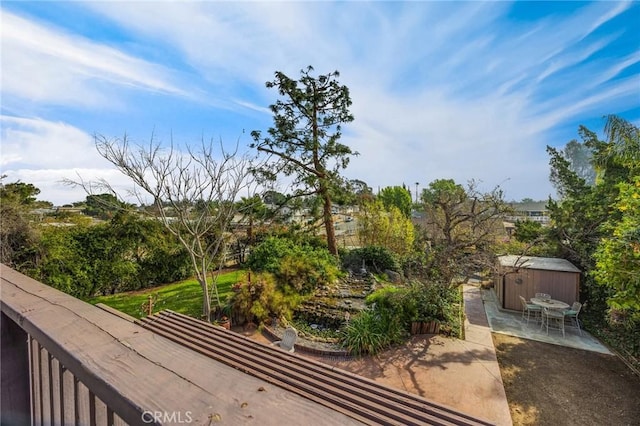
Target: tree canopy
21 193
461 225
385 227
397 196
18 240
304 140
596 227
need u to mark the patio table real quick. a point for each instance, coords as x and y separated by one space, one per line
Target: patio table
549 303
555 305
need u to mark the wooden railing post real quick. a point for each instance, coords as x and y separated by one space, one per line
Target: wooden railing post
14 364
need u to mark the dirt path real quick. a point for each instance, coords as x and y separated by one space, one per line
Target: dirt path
554 385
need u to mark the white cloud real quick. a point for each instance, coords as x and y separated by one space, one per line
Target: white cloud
228 43
428 137
606 13
439 89
35 143
45 153
44 64
53 188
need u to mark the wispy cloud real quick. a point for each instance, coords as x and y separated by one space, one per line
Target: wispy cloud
35 143
439 89
42 63
47 154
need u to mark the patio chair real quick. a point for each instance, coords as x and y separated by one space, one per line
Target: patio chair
571 314
549 315
288 340
530 308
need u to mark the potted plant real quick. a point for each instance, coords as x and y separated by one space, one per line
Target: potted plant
225 322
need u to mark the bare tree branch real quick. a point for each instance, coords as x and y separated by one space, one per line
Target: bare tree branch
193 194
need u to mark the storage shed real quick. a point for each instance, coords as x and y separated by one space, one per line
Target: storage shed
525 276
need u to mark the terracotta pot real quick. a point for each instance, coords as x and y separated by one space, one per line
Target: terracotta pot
226 323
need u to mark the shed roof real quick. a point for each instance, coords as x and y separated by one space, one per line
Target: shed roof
544 263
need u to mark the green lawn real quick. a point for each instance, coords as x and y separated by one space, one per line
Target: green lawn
183 296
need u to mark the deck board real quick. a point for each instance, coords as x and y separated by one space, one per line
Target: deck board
135 370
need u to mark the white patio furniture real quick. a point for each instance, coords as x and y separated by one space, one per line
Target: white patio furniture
571 314
288 340
530 308
553 318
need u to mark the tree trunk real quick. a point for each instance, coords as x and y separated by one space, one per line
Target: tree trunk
206 301
332 244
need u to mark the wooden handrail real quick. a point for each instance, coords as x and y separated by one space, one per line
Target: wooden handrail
92 367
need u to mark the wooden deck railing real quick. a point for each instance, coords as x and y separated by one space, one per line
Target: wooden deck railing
65 362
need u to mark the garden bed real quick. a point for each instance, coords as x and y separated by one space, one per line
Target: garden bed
312 347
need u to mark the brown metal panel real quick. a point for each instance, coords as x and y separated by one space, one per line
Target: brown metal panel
517 284
544 282
509 291
559 284
530 285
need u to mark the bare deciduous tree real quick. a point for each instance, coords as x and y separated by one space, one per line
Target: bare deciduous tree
192 193
461 226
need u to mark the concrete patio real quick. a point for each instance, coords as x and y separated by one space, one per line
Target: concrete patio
511 323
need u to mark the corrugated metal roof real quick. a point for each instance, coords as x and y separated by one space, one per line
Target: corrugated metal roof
544 263
357 397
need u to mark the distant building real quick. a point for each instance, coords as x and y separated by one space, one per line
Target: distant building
535 211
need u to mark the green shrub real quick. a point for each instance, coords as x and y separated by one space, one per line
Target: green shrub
376 328
267 255
263 298
375 258
303 267
422 302
307 270
122 255
365 334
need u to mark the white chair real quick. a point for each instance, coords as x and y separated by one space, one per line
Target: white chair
288 340
549 315
571 314
530 308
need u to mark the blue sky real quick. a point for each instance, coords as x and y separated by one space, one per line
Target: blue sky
460 90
